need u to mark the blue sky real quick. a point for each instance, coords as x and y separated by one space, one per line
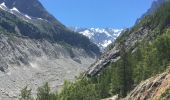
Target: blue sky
97 13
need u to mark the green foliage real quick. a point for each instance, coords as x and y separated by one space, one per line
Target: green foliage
26 94
116 79
44 93
152 58
80 90
163 46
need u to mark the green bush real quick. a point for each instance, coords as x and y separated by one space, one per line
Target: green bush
26 94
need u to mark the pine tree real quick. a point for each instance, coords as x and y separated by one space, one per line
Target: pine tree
125 71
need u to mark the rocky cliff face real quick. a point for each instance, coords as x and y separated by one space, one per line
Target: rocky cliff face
155 88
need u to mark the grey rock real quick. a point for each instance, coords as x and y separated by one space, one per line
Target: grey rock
30 62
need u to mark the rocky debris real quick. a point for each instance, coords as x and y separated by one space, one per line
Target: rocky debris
112 98
31 62
151 89
136 36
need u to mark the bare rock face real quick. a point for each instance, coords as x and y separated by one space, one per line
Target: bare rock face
31 62
151 89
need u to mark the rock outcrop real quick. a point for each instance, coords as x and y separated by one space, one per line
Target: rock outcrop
151 89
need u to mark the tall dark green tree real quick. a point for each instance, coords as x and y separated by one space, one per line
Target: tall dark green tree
125 71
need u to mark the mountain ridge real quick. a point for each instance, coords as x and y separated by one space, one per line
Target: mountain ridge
51 29
100 36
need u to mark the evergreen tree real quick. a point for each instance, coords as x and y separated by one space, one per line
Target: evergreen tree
125 71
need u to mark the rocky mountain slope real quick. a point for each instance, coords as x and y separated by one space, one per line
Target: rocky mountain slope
36 48
33 62
100 36
137 54
113 55
130 37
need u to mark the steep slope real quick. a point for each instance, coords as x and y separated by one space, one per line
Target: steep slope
32 8
36 48
34 13
100 36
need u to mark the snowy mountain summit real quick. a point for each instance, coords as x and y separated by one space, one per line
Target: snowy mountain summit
100 36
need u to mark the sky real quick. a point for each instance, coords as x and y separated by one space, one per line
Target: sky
97 13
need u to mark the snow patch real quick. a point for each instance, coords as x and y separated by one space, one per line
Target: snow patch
40 18
15 9
3 6
28 17
106 43
34 65
87 33
9 73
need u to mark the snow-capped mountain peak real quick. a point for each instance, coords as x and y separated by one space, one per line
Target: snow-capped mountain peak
14 10
100 36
